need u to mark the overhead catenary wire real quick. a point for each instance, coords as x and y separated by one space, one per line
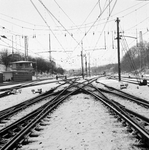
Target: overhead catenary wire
99 6
131 60
21 36
78 43
85 25
72 28
137 24
118 13
103 30
105 24
20 48
93 23
65 13
47 24
98 18
58 21
10 46
132 64
46 28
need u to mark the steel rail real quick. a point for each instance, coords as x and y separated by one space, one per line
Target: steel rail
89 81
125 95
135 114
8 91
129 80
121 112
13 109
31 83
47 109
32 113
45 93
123 107
20 106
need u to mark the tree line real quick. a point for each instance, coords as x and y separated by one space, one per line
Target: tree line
39 64
135 60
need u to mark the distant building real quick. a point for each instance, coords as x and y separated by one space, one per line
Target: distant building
22 66
20 71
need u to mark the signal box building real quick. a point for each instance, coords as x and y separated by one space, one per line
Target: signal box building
20 71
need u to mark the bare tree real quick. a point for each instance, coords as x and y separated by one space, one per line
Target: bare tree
4 58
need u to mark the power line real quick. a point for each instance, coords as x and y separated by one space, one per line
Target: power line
47 24
94 23
64 13
72 28
21 20
106 23
99 6
137 24
58 21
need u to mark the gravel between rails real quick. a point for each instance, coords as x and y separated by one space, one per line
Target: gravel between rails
26 93
81 123
22 113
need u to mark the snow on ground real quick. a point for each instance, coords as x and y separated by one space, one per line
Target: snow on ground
140 91
26 94
80 123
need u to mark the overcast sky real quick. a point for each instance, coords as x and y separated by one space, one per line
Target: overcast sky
67 23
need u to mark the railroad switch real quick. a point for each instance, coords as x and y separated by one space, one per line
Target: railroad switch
123 86
143 82
38 91
15 91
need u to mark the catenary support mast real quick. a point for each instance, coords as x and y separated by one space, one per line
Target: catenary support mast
82 61
118 49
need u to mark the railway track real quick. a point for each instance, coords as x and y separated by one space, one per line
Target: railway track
15 132
133 119
120 93
18 133
38 100
16 108
133 80
6 91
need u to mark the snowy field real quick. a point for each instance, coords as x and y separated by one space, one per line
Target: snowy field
80 123
140 91
25 94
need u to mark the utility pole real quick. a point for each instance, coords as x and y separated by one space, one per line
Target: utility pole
49 48
26 47
86 64
50 58
118 49
89 66
12 47
82 60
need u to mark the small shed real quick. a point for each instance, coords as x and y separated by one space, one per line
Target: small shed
17 76
7 76
20 71
20 76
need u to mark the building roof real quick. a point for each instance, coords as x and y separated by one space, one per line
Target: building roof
22 62
14 71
